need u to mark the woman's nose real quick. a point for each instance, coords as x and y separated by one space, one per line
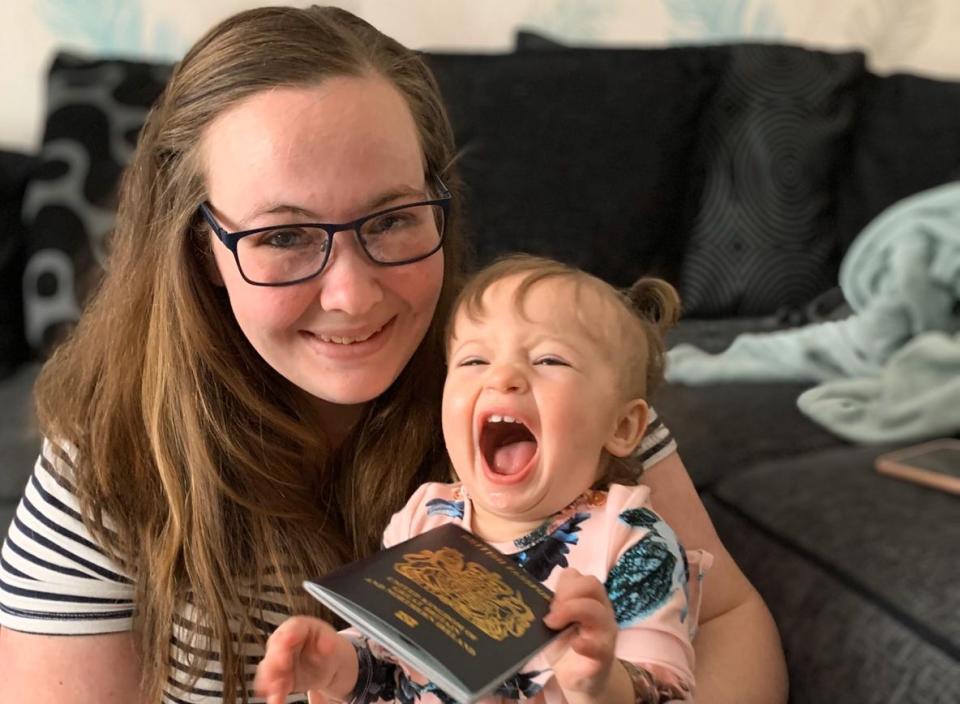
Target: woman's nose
350 282
507 378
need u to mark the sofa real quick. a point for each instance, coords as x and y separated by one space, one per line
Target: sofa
741 173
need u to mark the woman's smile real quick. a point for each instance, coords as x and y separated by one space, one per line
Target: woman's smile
347 347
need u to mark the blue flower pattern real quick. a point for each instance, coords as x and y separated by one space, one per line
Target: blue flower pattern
551 552
443 507
521 686
647 573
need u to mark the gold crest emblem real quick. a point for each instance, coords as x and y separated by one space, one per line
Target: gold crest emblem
476 594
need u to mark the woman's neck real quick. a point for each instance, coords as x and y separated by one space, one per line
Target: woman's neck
337 420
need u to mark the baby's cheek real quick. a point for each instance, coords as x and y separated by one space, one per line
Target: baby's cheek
456 417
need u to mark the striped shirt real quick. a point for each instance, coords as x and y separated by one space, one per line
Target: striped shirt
56 580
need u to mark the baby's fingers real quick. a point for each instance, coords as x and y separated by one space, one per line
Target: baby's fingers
277 672
589 613
593 645
573 584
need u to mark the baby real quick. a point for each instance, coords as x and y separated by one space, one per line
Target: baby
548 369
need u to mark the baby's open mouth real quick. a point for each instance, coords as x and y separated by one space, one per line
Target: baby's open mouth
507 445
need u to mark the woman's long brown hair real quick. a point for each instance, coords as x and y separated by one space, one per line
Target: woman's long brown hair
213 474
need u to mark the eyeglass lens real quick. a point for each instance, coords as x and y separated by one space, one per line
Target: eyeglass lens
291 252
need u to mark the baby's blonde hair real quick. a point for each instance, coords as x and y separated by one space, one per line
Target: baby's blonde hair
647 309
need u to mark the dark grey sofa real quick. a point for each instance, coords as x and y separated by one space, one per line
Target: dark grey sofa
741 173
860 571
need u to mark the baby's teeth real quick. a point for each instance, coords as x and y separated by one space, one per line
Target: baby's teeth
496 418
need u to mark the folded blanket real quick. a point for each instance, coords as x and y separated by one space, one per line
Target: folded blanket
901 278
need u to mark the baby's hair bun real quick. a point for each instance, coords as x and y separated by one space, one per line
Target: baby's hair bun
655 301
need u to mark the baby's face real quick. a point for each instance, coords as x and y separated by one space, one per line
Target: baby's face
532 399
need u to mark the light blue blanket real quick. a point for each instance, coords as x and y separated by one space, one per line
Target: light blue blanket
901 277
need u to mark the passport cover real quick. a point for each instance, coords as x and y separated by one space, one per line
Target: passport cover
448 605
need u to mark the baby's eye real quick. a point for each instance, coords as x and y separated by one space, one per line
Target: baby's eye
471 362
550 360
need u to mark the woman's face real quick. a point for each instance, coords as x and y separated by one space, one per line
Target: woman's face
329 153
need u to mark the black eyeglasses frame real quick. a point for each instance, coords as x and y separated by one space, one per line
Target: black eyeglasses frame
231 239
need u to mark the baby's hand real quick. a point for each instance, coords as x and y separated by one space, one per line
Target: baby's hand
304 654
584 667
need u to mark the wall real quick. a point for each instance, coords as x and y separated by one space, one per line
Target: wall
918 36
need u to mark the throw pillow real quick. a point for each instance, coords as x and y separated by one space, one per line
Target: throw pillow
15 170
907 140
774 141
580 154
530 40
95 108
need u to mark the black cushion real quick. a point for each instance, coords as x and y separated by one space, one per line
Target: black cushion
580 154
95 109
775 141
15 170
907 139
534 40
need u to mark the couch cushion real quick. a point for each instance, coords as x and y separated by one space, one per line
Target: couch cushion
724 429
906 140
892 541
19 434
840 644
580 154
15 170
774 141
94 111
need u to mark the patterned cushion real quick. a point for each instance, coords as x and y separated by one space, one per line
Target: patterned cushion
774 142
95 109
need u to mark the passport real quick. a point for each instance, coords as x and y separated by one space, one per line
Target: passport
446 604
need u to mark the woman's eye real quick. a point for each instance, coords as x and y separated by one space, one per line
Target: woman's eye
287 238
387 223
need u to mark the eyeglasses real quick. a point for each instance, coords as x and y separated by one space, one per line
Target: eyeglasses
283 255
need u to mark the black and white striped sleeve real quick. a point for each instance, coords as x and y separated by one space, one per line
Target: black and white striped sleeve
54 578
657 442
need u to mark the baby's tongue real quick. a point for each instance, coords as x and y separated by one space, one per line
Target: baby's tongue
512 458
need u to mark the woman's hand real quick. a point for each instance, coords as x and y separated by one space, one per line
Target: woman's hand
306 654
584 662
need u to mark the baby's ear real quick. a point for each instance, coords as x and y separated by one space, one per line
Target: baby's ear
629 430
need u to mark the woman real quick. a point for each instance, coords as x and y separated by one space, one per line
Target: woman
245 403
